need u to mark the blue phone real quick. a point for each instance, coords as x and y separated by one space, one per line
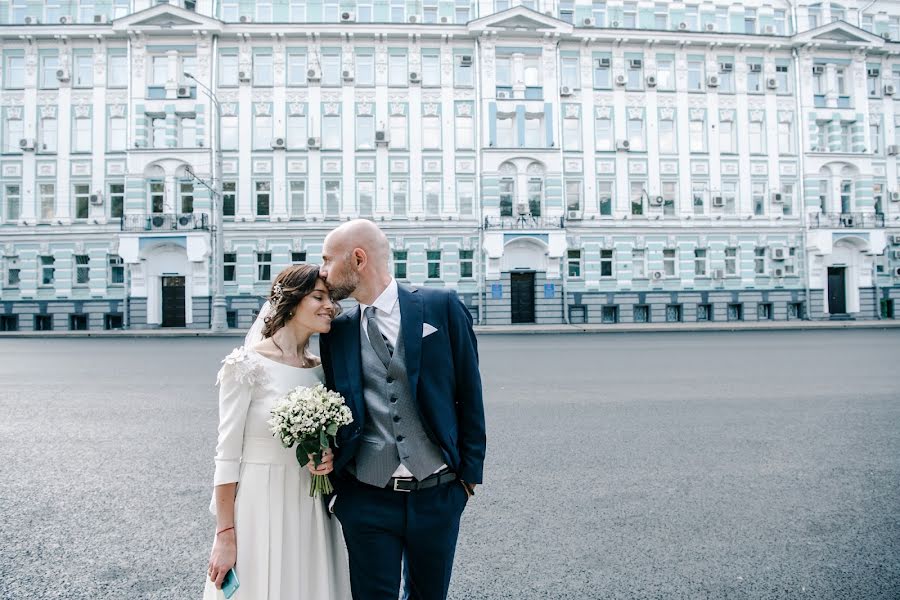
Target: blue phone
230 584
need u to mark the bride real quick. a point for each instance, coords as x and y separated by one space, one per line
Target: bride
279 540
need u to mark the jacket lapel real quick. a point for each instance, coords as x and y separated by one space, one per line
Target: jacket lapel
351 366
411 330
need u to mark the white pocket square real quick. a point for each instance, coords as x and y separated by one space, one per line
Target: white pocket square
428 329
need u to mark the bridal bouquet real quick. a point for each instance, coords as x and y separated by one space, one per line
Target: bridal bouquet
310 418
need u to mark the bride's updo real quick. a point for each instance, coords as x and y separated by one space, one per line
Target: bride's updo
289 288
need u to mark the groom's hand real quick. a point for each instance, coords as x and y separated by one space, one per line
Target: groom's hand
325 467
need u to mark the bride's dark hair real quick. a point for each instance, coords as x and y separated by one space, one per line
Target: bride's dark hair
290 287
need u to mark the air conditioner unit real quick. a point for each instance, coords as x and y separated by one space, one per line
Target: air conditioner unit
183 91
682 26
777 198
623 145
614 24
381 137
897 272
347 17
772 83
718 201
651 80
769 29
818 69
895 239
96 198
847 220
26 144
893 150
895 254
414 77
778 252
635 63
726 67
347 75
873 73
755 68
889 89
246 19
62 74
712 81
100 19
32 21
157 221
620 80
565 91
656 201
445 20
574 215
314 143
465 60
603 63
719 274
504 94
588 22
778 272
313 74
413 19
895 196
243 76
278 143
66 20
710 27
657 275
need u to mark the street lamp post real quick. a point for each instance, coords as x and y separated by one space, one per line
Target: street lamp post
219 320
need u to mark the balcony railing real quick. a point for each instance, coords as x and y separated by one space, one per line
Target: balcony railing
166 222
846 220
524 222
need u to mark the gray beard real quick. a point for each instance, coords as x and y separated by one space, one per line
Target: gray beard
342 292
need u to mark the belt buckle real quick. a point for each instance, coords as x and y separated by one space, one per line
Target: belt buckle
398 480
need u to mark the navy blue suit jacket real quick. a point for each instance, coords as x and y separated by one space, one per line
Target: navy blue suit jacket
443 376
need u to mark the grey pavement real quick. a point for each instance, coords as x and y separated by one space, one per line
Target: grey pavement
680 465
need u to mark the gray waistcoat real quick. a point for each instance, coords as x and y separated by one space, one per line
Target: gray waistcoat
393 431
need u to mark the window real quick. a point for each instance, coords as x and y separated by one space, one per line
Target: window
431 69
634 74
602 69
398 73
846 139
670 268
159 73
331 67
604 197
698 134
365 132
785 138
465 132
296 68
749 20
48 270
229 267
188 129
158 131
263 266
670 196
535 196
873 81
638 263
570 72
264 11
15 130
609 314
262 132
673 313
298 258
228 70
726 77
365 69
83 135
157 196
332 198
660 17
665 74
399 194
263 197
731 260
759 261
297 197
534 130
606 263
48 134
47 199
637 197
82 196
758 197
603 133
466 261
629 15
432 192
229 10
398 131
635 132
754 77
757 137
115 141
701 262
13 203
462 71
704 312
15 73
400 264
229 198
875 138
571 133
599 13
331 132
433 258
573 262
296 132
84 71
727 140
365 197
507 192
49 65
12 275
465 197
116 197
787 198
230 132
82 269
783 77
431 132
695 75
573 196
186 196
429 11
263 74
841 81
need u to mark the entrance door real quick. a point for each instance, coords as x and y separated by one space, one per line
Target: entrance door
522 285
173 301
837 298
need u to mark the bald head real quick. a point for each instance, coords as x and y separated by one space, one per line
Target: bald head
363 234
356 261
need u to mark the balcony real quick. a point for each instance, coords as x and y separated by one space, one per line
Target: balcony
166 222
524 222
846 221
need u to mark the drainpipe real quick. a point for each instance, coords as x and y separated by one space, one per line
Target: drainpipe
875 286
562 219
801 153
482 257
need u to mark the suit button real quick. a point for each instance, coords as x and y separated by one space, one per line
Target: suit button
390 379
396 419
399 438
393 399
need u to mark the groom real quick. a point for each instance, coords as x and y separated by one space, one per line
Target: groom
406 362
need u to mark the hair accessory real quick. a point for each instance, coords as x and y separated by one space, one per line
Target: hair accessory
277 291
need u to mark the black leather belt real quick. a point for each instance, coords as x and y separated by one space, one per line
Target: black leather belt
409 484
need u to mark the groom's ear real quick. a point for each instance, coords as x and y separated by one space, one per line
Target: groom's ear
359 257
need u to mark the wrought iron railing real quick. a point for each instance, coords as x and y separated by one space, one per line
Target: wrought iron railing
166 222
524 222
846 220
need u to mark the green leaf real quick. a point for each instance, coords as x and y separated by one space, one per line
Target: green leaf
323 439
332 429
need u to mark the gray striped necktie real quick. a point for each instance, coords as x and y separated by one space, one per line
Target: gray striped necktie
379 343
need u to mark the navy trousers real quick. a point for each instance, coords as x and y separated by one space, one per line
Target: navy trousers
383 527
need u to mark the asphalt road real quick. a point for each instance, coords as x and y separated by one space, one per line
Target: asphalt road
710 465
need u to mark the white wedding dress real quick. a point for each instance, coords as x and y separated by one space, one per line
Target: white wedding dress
287 546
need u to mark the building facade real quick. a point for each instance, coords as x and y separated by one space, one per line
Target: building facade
551 161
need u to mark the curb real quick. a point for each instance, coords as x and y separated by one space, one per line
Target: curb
500 329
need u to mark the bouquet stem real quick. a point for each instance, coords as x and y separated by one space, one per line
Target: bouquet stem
320 484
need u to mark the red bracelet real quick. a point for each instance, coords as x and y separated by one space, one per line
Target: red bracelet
224 530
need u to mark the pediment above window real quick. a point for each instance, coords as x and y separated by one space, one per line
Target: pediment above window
838 33
166 17
520 19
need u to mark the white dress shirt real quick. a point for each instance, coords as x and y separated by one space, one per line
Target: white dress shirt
387 318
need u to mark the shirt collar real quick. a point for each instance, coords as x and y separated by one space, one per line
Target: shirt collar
386 301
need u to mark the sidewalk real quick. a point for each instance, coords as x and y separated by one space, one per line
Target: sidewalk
506 329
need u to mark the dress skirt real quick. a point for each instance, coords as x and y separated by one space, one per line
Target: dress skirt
287 546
